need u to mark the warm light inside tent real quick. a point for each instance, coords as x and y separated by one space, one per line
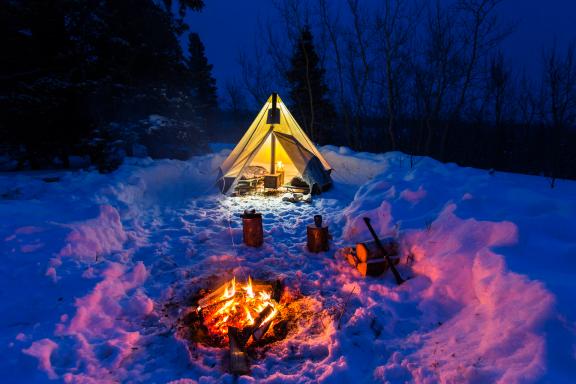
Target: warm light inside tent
264 155
279 166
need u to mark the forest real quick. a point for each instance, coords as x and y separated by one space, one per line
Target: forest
91 80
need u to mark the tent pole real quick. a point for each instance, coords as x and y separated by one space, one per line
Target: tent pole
273 153
273 119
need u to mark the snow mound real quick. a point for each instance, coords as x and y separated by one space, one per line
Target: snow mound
146 183
92 238
104 331
355 168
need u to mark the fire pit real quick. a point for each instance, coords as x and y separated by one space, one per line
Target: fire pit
240 314
246 306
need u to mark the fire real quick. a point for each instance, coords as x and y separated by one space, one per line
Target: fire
244 305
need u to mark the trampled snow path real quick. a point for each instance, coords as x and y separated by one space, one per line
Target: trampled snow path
101 258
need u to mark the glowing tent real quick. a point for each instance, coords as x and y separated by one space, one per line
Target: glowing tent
276 143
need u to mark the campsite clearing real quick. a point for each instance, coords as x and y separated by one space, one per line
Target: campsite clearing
98 261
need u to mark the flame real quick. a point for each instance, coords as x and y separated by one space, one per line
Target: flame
239 305
248 288
230 289
249 317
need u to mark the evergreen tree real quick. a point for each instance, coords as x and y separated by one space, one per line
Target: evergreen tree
37 87
71 70
307 89
202 82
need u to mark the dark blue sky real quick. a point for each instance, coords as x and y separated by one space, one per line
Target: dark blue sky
226 27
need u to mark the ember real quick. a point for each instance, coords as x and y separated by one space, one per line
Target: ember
250 307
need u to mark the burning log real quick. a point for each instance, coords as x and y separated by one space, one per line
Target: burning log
248 306
237 313
263 322
217 295
216 305
238 358
260 286
239 338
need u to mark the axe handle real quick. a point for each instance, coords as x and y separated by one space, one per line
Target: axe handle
399 279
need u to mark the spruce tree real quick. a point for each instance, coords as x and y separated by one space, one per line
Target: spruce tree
307 89
202 82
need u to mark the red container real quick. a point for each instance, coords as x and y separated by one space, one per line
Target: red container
252 229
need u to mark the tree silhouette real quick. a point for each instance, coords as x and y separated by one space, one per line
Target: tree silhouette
202 82
307 88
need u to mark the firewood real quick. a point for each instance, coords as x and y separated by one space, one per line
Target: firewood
370 250
277 289
238 358
374 267
212 296
397 277
261 331
260 327
215 305
351 257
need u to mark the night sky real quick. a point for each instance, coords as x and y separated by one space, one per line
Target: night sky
226 27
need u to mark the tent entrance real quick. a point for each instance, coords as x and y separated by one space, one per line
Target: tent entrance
264 158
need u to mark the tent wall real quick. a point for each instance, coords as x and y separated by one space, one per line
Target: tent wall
247 144
301 137
309 167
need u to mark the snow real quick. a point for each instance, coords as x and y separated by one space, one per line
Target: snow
91 262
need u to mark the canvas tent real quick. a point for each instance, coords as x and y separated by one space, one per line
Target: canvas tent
275 137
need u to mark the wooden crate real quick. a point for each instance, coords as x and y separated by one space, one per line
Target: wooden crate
274 181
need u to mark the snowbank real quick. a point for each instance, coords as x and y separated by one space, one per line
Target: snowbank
354 168
163 182
489 319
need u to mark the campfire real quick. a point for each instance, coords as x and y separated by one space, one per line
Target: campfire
244 317
246 306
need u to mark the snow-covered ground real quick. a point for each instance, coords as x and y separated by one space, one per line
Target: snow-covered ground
90 263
